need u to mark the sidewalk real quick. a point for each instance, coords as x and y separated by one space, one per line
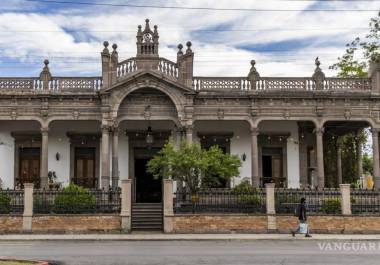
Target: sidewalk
181 237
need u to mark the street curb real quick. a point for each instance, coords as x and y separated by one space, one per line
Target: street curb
180 237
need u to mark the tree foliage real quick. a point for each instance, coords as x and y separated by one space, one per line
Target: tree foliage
194 166
368 48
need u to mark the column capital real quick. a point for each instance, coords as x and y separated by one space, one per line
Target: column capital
44 130
255 131
105 127
375 132
320 130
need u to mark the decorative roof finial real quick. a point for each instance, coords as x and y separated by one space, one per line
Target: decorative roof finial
105 50
317 62
180 46
318 75
46 62
253 75
114 46
188 44
147 27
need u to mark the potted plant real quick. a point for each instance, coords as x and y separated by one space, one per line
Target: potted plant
52 179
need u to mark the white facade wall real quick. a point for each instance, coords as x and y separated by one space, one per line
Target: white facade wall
7 148
240 142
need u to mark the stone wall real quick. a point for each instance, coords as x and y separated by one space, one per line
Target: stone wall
74 223
222 223
259 224
10 224
63 223
197 223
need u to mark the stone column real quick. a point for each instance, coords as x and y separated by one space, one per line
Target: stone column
270 205
115 158
339 163
320 164
44 157
255 158
359 155
28 207
189 134
345 199
375 147
105 182
126 204
168 205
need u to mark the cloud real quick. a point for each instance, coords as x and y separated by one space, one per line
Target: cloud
224 42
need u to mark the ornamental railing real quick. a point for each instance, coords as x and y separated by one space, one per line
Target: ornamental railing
75 84
326 201
63 202
365 202
221 84
11 201
72 84
168 68
126 67
220 201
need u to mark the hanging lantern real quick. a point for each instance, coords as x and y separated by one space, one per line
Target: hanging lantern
149 136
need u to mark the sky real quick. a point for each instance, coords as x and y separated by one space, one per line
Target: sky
283 43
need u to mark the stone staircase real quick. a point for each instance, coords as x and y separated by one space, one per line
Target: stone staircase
147 216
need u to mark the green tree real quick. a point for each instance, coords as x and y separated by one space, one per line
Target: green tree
220 167
368 48
367 164
193 165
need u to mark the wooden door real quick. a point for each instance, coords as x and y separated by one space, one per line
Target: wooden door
29 168
277 170
84 174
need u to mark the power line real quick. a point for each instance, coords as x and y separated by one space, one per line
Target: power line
201 8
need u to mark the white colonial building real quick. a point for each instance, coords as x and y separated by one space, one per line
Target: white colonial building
95 131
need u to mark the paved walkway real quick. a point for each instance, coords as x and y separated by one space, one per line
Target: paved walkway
182 237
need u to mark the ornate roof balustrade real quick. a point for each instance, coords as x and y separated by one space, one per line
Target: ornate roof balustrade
20 83
126 67
220 84
72 84
167 67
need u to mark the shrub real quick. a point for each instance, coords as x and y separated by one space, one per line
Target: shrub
254 199
288 198
331 206
74 199
5 203
243 187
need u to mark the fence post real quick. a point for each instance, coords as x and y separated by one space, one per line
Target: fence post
126 201
168 205
345 201
28 208
270 206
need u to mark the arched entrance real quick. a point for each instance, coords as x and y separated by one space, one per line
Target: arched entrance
147 119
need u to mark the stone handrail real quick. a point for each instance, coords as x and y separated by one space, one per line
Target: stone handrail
126 67
168 68
75 84
220 84
20 83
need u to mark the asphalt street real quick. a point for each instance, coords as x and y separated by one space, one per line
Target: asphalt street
196 252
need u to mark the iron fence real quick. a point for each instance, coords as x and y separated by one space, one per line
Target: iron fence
365 202
326 201
11 201
64 202
220 201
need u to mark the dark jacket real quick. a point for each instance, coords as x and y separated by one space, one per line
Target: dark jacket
302 212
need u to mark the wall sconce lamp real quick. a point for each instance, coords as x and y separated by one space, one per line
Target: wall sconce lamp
57 156
243 157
